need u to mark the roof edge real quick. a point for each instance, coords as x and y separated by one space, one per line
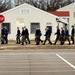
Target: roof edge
28 6
65 6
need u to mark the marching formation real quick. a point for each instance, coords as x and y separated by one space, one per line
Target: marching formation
62 36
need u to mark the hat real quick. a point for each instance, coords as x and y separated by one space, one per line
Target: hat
72 26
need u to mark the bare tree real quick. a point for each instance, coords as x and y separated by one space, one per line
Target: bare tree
5 5
2 6
56 4
41 4
37 3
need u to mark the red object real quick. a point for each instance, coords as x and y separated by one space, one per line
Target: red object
2 18
60 13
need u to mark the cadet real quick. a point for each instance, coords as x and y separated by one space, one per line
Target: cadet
18 36
23 36
72 34
66 32
26 34
6 35
62 36
47 36
2 35
58 35
37 36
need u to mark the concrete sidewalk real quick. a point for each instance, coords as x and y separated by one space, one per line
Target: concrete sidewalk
33 46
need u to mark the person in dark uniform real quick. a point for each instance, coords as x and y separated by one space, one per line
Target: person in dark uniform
23 36
2 35
37 36
40 34
18 36
47 36
27 35
58 35
49 33
66 32
62 36
72 34
6 35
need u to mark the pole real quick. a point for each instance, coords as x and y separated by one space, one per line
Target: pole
0 33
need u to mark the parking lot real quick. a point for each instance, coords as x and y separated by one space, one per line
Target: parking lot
37 62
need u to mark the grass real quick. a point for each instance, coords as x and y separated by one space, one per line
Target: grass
12 46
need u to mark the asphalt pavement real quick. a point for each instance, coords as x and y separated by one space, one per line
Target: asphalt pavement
37 62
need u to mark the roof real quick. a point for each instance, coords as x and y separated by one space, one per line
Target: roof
60 13
62 20
25 4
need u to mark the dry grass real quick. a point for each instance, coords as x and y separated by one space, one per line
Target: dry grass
14 42
13 46
40 47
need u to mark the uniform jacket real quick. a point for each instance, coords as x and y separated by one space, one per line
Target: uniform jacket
2 32
6 32
23 33
26 32
47 34
62 32
38 33
66 33
18 32
58 32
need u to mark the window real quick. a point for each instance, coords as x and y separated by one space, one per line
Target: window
20 21
33 27
24 11
8 26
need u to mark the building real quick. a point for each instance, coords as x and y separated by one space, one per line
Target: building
31 17
63 15
71 9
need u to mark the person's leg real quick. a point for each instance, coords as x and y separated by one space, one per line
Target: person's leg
68 40
22 40
62 40
37 40
56 40
72 38
49 41
6 39
19 39
16 39
28 39
41 40
25 37
45 41
2 39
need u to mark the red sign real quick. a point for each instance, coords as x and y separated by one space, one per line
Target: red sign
2 18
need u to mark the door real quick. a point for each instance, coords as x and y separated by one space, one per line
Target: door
50 28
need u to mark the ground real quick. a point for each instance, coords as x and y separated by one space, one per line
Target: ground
32 59
37 62
33 46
